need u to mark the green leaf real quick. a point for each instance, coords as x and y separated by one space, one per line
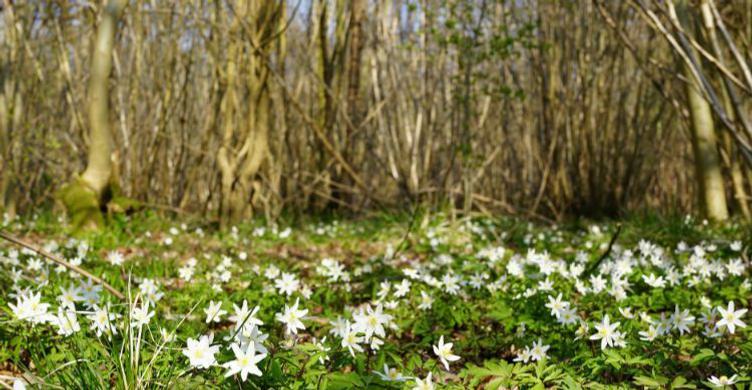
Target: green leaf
613 358
500 371
344 381
702 356
681 383
654 382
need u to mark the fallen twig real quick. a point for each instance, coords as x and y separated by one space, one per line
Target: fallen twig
55 259
606 253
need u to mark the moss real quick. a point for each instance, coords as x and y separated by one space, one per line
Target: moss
122 205
81 204
87 211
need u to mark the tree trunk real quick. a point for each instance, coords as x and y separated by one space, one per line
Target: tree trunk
245 144
86 195
704 140
707 162
11 109
740 193
735 168
352 150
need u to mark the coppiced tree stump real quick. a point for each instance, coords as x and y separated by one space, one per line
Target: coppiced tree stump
82 204
87 209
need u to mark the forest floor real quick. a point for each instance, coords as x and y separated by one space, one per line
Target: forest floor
386 302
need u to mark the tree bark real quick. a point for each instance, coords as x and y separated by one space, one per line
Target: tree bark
86 195
704 139
707 162
245 144
11 109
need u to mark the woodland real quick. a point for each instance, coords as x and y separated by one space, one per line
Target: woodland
417 194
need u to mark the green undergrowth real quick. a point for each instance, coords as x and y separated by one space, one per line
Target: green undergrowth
488 280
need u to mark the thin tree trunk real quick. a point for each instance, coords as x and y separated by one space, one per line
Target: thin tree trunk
86 196
704 140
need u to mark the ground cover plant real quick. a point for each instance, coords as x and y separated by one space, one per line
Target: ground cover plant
384 303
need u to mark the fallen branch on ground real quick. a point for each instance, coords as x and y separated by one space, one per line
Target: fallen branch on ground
606 253
55 259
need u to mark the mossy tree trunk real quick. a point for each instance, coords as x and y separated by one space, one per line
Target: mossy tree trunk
86 196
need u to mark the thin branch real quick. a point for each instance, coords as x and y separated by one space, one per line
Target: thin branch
55 259
607 252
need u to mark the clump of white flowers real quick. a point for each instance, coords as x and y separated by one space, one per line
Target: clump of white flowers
419 288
